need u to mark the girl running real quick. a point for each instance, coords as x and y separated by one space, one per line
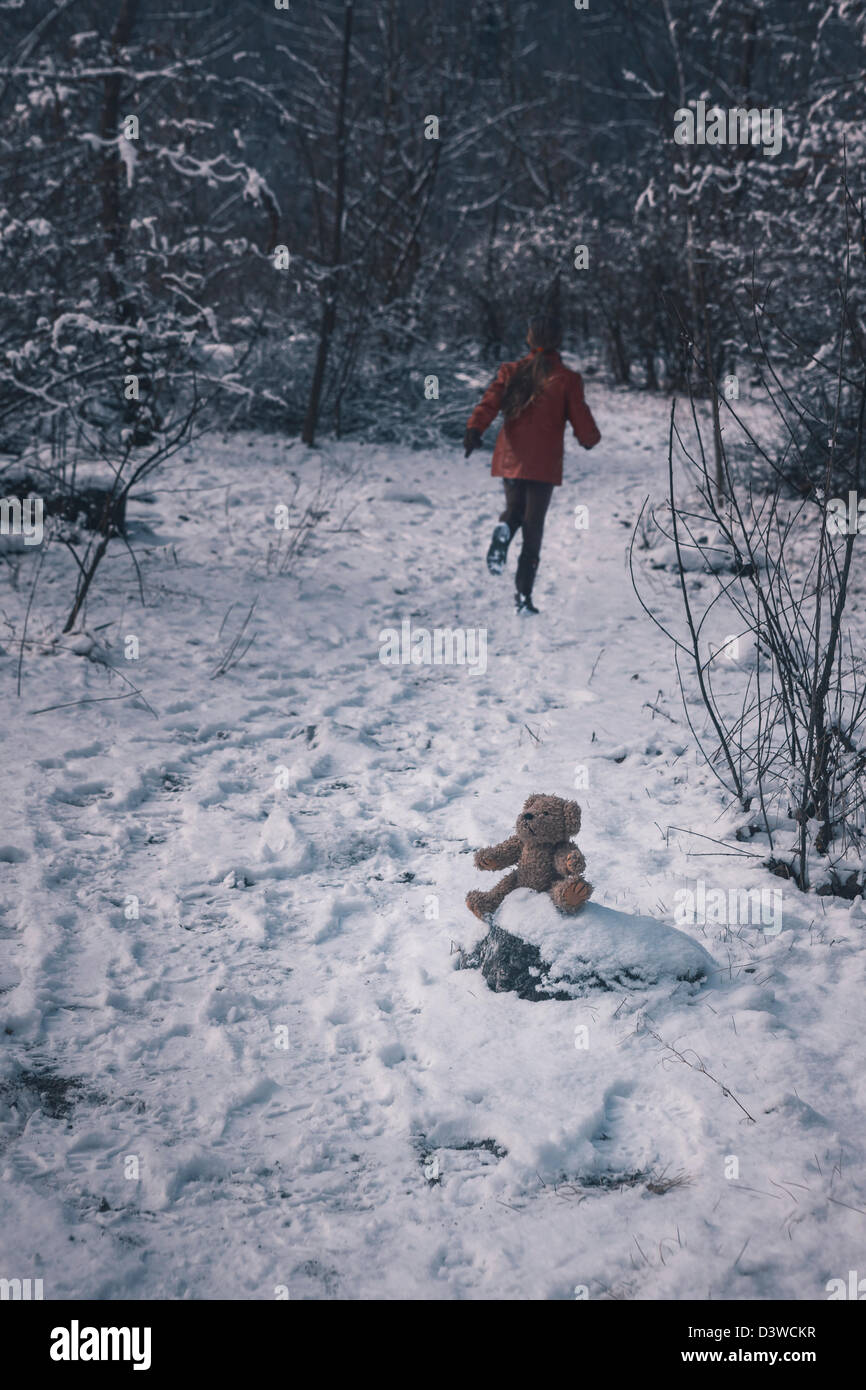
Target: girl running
536 395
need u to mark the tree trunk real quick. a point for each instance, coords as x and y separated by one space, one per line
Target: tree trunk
110 161
329 310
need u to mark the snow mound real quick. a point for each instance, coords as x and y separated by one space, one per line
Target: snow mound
280 840
600 948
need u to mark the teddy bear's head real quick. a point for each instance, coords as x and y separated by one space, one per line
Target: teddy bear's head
547 819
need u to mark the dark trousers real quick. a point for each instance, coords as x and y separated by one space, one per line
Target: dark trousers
526 504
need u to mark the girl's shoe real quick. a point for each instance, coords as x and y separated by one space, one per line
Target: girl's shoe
524 604
498 552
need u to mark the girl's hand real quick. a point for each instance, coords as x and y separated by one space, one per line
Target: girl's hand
471 441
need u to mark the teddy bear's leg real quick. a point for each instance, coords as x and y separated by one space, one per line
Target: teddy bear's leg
485 904
570 894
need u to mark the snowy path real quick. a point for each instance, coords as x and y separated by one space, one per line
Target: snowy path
417 1136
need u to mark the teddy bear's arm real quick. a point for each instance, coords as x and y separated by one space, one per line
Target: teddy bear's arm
568 860
499 856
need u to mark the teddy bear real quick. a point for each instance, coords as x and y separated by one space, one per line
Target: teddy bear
546 859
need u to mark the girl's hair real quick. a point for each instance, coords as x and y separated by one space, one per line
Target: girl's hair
530 379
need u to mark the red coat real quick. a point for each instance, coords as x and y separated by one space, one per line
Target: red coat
531 445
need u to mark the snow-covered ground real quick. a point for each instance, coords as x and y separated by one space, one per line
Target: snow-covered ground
238 1060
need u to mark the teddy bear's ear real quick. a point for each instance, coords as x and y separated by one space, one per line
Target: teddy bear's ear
572 817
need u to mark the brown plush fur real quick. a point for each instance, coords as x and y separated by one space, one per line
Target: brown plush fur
546 859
